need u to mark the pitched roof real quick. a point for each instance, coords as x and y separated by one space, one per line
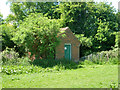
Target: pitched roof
63 30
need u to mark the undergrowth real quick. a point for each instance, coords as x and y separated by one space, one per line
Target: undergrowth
13 64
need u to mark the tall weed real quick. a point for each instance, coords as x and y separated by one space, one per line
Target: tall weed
104 57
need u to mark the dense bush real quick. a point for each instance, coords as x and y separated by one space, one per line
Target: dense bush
7 33
13 64
10 57
38 35
104 57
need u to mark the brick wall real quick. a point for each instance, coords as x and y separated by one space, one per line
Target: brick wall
71 39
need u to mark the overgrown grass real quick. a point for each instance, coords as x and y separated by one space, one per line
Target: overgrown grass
90 76
47 65
10 57
9 70
103 57
60 74
111 61
44 73
67 64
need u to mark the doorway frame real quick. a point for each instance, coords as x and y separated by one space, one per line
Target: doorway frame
70 49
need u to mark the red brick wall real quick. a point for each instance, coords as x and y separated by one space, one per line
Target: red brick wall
71 39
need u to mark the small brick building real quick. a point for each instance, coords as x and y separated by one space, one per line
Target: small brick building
69 46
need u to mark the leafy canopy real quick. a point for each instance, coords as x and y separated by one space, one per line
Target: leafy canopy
7 33
38 35
97 21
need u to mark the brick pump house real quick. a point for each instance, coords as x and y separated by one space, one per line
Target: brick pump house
68 47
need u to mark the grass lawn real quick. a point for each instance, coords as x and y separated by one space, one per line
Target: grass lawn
90 76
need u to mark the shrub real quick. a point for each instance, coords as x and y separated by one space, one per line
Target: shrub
10 57
7 33
113 85
38 35
13 69
86 62
103 57
113 60
62 63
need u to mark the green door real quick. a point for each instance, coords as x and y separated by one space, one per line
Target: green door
67 51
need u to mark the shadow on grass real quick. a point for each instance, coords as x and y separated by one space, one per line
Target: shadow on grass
62 63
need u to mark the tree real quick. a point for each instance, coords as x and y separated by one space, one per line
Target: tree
7 30
1 18
86 44
71 14
82 17
117 40
38 35
87 18
23 9
118 20
103 40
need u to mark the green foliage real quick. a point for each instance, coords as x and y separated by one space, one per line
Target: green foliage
92 76
38 35
96 21
113 60
117 39
7 34
103 35
38 66
118 20
10 57
1 19
84 40
20 69
61 64
82 16
18 11
102 61
12 19
23 9
86 62
86 44
102 31
113 85
72 13
104 57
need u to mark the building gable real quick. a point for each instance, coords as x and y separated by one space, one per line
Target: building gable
69 45
68 34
